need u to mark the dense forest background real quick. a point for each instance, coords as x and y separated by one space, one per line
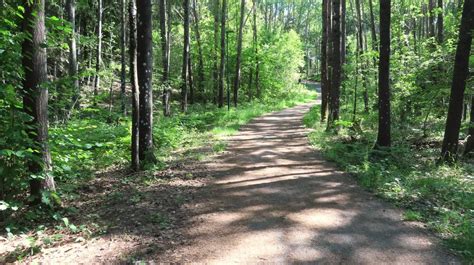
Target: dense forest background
87 86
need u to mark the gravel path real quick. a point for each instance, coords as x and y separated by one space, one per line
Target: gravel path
276 200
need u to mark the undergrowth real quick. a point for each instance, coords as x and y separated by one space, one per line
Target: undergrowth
441 196
96 141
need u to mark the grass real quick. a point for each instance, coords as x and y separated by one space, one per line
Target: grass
441 196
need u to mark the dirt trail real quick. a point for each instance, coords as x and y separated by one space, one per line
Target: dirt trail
276 200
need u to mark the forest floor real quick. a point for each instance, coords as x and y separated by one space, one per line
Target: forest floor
269 198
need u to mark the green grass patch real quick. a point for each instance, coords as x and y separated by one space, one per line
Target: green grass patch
441 196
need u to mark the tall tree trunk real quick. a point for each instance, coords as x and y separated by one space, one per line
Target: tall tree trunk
215 68
123 71
372 26
200 69
145 70
439 22
384 135
35 96
343 32
223 45
98 62
191 79
185 71
239 53
165 56
336 64
460 74
431 17
255 43
324 61
134 84
73 67
470 140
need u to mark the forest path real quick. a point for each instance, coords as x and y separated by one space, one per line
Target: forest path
276 200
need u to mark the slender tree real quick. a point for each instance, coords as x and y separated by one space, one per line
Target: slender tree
144 70
460 74
222 63
197 32
215 61
123 71
324 60
73 66
470 140
439 22
98 62
255 43
335 64
134 84
185 68
384 135
165 55
35 97
239 53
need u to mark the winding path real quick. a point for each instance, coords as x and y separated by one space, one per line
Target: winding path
276 200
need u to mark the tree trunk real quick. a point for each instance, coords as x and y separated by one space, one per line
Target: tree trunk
372 26
200 69
239 53
165 56
35 97
324 61
470 140
255 42
185 70
343 33
384 136
460 74
73 67
215 68
336 64
134 84
145 70
191 80
223 45
123 71
439 22
98 61
431 17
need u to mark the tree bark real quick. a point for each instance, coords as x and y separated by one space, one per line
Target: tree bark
431 18
215 61
460 74
255 43
440 23
145 70
384 135
372 26
336 64
239 53
223 45
165 56
470 140
134 84
35 97
123 71
324 61
200 70
185 70
73 67
98 62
